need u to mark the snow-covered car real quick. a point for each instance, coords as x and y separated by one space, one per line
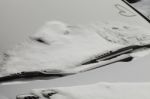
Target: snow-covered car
113 32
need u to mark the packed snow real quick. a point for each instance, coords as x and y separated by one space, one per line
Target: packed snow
93 91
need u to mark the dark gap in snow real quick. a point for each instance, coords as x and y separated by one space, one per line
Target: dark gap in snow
40 40
29 96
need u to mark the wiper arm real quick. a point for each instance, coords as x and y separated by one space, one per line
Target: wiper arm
118 52
55 73
30 75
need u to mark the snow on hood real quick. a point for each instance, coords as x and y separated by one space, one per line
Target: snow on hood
59 47
143 6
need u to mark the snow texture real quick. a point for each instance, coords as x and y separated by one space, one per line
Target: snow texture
59 47
144 7
3 97
124 34
94 91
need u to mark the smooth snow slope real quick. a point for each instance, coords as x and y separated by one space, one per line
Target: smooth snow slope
94 91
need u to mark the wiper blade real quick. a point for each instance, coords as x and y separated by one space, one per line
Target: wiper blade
30 75
55 73
112 54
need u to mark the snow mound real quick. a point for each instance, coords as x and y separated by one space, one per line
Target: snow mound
94 91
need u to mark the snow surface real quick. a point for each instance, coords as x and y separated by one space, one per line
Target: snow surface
95 91
144 7
60 47
3 97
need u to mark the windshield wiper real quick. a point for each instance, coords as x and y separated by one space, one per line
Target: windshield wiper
29 75
112 54
55 73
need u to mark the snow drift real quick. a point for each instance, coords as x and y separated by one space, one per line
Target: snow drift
94 91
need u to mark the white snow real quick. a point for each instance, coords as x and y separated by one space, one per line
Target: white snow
143 6
61 46
122 33
96 91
